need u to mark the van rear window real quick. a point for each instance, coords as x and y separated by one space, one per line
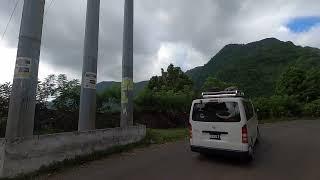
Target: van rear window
216 112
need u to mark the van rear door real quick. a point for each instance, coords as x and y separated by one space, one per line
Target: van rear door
216 124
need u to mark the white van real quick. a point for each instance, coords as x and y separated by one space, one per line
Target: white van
223 122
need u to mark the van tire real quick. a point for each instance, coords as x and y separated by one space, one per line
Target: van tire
258 139
250 154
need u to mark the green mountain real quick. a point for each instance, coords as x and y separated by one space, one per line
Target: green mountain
104 85
255 67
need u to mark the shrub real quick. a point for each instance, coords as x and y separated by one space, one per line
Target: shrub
165 101
278 106
312 108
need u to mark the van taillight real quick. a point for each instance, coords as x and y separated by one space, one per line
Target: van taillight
190 130
245 134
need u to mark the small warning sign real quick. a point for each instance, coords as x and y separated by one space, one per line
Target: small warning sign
23 68
90 80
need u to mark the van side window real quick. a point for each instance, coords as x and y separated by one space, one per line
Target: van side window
248 109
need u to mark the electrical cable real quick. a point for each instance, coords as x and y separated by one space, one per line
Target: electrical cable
14 9
50 4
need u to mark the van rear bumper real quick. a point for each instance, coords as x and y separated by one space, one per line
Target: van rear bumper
227 152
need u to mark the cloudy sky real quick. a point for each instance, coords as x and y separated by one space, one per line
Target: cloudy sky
183 32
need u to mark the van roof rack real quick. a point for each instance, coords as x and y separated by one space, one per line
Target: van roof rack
235 93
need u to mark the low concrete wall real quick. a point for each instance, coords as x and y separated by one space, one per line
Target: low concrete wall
24 155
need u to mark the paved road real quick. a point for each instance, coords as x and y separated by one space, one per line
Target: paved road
288 150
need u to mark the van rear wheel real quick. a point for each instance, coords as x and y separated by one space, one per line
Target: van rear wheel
250 154
258 139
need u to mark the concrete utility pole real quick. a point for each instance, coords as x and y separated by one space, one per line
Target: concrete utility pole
22 101
87 114
127 67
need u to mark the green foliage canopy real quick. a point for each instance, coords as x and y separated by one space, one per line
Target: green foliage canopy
170 92
256 67
5 91
109 99
212 82
174 79
67 94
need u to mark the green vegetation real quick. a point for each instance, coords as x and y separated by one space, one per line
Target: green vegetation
137 87
255 67
109 100
282 79
169 93
5 91
297 94
67 94
312 108
285 119
277 106
159 136
216 83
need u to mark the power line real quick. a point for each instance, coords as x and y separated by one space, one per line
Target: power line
45 13
14 9
50 4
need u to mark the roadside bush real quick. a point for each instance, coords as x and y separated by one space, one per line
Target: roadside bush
312 109
262 104
278 106
109 101
164 101
159 136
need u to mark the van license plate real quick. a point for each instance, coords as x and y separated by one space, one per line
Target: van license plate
215 136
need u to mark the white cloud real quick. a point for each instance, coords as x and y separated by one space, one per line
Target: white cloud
180 55
7 58
309 38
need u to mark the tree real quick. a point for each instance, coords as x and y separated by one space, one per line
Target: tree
311 86
291 82
67 94
171 92
300 83
212 82
174 79
278 106
312 108
5 91
109 100
62 82
46 89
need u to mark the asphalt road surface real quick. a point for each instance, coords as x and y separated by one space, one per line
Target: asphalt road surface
289 150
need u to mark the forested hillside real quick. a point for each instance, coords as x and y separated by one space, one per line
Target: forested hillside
255 67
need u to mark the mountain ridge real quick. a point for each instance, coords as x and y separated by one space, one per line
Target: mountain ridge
256 66
104 85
